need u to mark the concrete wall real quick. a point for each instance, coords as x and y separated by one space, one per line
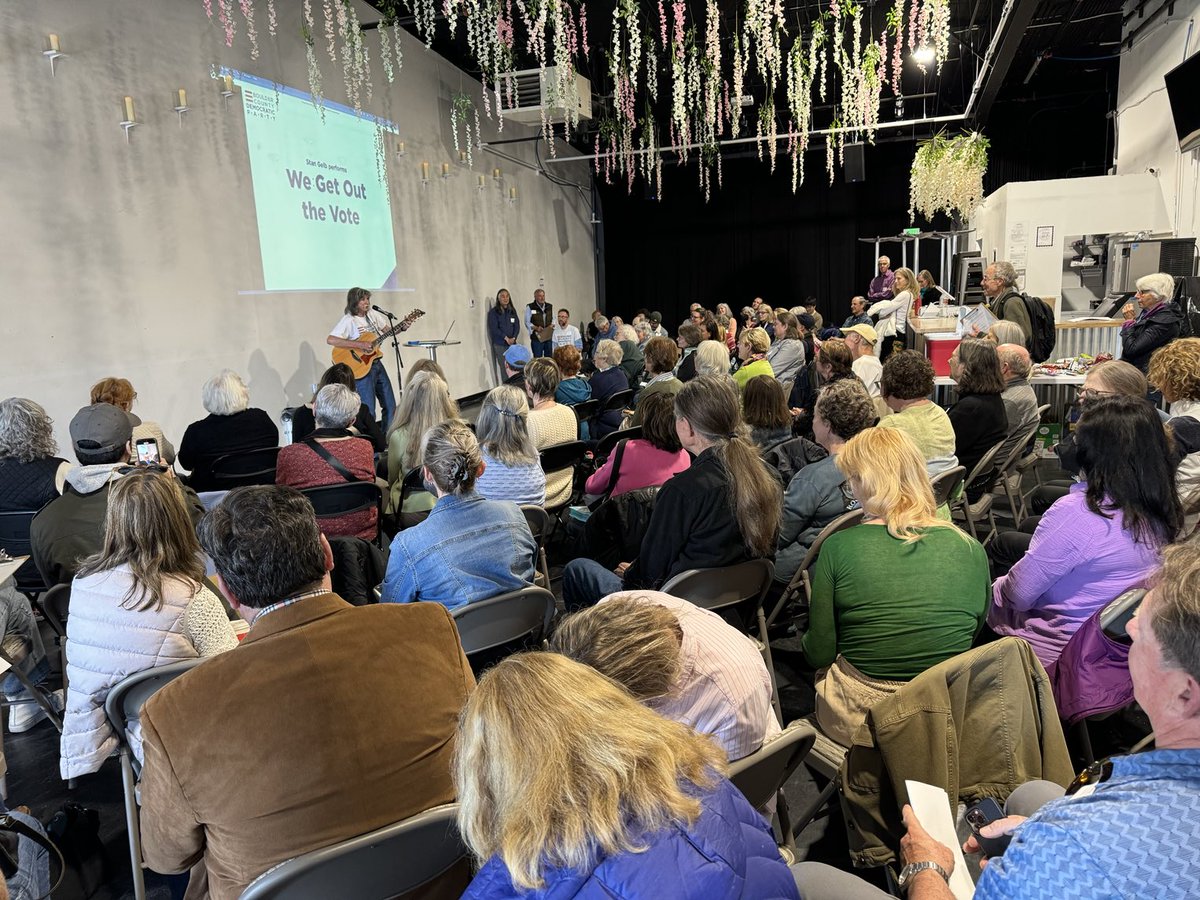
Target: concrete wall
1146 138
128 258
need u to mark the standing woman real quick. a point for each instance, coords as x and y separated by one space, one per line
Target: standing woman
137 604
892 313
119 392
426 403
360 319
503 329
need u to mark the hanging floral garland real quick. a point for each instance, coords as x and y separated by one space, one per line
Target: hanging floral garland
947 176
464 112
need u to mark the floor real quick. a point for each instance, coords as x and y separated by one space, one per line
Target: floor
33 777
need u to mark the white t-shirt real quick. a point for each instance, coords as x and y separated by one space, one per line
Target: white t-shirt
564 337
869 370
350 327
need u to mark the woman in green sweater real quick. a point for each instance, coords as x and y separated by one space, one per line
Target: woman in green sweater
894 596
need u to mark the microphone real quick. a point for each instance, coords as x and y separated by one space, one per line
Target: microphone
381 310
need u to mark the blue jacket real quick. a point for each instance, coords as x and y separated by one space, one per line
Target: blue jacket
503 323
468 549
573 390
727 853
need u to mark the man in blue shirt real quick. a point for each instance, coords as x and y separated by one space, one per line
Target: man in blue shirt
858 313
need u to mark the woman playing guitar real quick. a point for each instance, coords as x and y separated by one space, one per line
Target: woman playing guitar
356 331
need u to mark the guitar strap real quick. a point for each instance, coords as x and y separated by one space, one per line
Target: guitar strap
334 463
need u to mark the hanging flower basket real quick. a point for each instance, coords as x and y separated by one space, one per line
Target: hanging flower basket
947 176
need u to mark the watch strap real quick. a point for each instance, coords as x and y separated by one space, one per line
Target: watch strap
908 872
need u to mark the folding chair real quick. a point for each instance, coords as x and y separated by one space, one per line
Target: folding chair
585 410
348 497
14 538
762 775
124 703
619 400
946 484
559 457
801 583
245 467
1008 470
492 629
55 604
539 525
382 864
1029 461
974 512
606 444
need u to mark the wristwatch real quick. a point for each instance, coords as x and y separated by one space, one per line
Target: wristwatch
907 873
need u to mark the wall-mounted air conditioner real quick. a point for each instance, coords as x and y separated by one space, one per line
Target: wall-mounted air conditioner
525 94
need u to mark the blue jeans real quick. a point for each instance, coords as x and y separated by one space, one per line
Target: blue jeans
541 348
377 384
585 582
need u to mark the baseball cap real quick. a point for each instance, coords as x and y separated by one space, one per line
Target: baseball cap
806 320
656 317
101 428
517 355
866 332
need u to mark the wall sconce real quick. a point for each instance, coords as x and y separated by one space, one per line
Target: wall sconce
482 183
496 175
227 88
400 148
512 196
55 52
181 105
130 121
425 174
445 170
462 157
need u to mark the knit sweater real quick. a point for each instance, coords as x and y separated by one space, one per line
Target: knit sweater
524 483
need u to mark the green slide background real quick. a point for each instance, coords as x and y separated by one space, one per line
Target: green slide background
283 131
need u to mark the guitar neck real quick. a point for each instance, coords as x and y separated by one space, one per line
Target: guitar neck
399 326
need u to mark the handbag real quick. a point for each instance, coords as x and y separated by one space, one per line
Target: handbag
618 452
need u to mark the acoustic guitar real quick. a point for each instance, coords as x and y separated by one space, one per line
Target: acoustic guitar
360 361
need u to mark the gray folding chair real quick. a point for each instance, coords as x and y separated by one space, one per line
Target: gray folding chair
762 775
800 587
491 629
380 865
975 512
946 484
1007 470
1029 461
539 525
124 703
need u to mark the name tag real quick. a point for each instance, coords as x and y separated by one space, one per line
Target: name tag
513 319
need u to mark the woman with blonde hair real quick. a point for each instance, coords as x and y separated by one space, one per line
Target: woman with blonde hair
138 603
892 313
426 402
752 351
567 786
876 621
120 392
512 470
1175 371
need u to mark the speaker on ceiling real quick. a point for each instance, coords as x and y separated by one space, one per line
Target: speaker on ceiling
856 164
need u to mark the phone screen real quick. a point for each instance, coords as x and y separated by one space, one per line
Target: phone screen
147 452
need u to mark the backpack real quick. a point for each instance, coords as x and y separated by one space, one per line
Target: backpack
1042 336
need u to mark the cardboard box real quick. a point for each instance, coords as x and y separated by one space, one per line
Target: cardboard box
1045 439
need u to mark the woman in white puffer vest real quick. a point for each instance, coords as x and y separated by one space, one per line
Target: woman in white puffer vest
137 604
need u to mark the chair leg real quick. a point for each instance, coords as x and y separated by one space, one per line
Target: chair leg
131 824
815 807
770 663
992 526
37 693
970 522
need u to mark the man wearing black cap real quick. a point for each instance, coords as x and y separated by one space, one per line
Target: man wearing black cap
656 325
71 527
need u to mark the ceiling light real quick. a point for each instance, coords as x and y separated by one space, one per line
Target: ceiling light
923 56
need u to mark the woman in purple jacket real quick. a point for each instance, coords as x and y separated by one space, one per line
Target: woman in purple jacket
1101 539
568 787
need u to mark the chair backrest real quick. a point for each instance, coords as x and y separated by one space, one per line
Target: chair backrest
1114 618
725 586
841 523
538 520
504 620
382 864
347 497
606 444
55 604
619 400
762 774
126 699
986 462
586 409
14 531
566 455
1042 410
945 484
245 467
1008 465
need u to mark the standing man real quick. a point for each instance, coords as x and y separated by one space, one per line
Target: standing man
881 285
351 332
503 329
538 316
565 334
860 340
1004 301
858 313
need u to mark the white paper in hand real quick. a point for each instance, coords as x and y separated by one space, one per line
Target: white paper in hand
932 807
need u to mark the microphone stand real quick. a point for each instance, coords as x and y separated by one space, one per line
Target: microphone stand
396 348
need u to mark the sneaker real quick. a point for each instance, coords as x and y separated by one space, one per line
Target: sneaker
22 718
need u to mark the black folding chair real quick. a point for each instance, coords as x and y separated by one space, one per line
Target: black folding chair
619 400
245 467
539 526
348 497
607 443
559 457
14 538
762 775
494 628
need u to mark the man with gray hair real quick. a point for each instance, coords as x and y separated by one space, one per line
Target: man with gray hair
882 285
1155 325
1004 301
1020 402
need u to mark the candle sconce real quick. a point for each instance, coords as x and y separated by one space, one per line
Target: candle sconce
54 53
400 151
445 171
181 105
130 121
227 88
482 183
512 196
425 174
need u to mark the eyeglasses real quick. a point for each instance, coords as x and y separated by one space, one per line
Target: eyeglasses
1087 393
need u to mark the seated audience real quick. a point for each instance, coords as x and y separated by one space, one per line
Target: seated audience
231 426
304 423
723 509
138 603
550 423
426 402
730 325
786 354
1101 539
833 362
818 494
765 410
632 358
468 548
1004 331
1175 372
119 392
515 358
1155 324
876 620
689 339
572 387
861 340
1140 809
332 455
72 526
1020 402
752 351
661 356
512 470
906 386
608 379
858 313
646 461
712 359
642 330
684 662
31 472
427 365
568 787
657 329
341 718
978 418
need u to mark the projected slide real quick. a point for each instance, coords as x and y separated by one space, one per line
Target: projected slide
323 217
